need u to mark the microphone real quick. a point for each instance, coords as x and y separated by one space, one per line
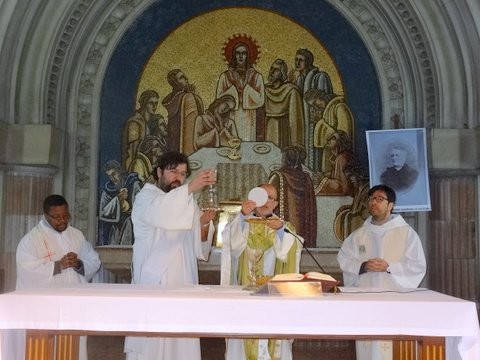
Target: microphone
308 251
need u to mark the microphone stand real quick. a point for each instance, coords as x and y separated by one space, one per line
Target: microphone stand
308 251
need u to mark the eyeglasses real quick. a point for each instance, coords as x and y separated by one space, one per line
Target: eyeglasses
377 199
58 218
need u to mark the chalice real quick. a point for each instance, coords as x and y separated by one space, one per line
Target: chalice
210 201
254 256
234 153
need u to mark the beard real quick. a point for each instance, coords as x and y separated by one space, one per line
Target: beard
168 187
272 78
224 114
224 118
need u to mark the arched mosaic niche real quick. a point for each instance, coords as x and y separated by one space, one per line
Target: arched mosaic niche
125 15
336 47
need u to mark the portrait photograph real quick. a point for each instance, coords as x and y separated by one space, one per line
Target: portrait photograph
398 158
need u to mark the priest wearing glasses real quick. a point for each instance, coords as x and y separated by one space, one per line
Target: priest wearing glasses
386 253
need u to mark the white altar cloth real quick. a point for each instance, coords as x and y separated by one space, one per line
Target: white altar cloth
204 310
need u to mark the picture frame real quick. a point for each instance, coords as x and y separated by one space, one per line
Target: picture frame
398 158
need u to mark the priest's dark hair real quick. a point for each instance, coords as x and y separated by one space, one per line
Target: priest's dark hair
170 160
53 200
391 196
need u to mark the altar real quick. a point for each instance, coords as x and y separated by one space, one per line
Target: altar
422 315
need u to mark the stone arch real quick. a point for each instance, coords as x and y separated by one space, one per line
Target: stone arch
394 36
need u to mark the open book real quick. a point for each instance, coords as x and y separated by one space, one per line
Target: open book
328 282
313 275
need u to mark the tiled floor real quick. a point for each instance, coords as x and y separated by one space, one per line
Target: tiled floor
111 348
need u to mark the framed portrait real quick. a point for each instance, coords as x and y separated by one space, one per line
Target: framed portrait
398 158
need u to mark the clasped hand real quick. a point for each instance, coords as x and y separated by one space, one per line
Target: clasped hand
70 260
377 265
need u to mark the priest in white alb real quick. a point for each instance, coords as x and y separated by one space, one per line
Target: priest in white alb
384 253
256 234
171 233
54 252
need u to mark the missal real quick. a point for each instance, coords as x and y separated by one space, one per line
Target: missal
291 289
328 282
313 275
